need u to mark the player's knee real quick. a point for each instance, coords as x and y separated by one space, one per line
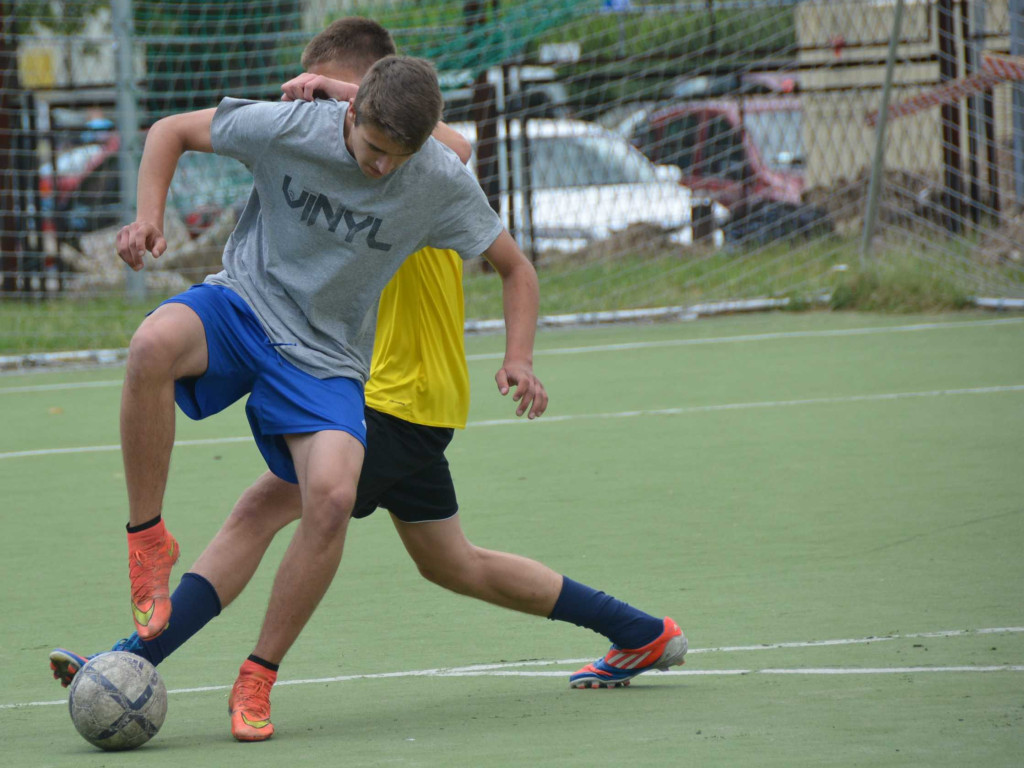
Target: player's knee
328 509
455 573
441 576
149 353
171 344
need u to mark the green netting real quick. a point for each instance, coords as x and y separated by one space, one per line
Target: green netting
783 146
197 52
483 39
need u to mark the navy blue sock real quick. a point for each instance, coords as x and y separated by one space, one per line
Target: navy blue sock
193 604
620 622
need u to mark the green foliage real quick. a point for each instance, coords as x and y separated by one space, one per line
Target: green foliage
62 17
689 39
444 33
199 52
692 37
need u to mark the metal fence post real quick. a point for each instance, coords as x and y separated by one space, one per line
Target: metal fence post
1017 49
878 163
127 125
9 261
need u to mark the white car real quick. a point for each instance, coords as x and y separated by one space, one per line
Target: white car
585 184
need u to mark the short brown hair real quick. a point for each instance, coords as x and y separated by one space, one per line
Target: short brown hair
352 42
400 95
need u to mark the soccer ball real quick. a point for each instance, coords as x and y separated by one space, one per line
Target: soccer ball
117 701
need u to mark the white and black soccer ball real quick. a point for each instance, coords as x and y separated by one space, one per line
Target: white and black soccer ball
117 701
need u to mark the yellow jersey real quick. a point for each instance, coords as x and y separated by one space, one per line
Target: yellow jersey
418 372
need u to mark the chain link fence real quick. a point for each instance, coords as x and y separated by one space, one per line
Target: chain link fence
663 158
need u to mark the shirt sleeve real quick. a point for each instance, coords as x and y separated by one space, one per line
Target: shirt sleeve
469 226
245 129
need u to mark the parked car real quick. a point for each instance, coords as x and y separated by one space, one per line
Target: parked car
585 183
84 195
745 152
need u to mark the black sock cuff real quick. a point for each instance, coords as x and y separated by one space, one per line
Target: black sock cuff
263 662
145 526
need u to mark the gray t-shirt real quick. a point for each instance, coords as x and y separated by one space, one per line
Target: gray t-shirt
318 240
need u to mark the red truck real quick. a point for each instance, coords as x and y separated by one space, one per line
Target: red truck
743 151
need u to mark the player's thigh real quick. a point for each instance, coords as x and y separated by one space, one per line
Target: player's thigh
327 465
288 405
172 337
237 349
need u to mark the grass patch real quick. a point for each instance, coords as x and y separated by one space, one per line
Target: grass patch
61 324
613 277
898 280
899 285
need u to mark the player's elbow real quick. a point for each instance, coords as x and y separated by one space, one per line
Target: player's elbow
509 261
189 131
520 272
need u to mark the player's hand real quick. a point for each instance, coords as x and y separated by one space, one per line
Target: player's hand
529 394
138 237
307 87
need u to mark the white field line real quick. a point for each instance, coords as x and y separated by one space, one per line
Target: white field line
105 448
590 416
59 387
768 671
762 404
757 337
514 668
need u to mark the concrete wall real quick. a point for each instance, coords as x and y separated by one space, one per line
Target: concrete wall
838 94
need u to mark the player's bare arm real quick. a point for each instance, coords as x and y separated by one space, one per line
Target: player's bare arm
309 86
166 142
520 298
454 140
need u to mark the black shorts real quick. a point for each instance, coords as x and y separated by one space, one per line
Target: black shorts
405 470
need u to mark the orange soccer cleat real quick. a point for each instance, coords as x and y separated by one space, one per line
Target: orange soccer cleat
151 555
249 703
620 665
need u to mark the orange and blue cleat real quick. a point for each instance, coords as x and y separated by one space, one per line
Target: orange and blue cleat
620 665
151 555
249 703
64 664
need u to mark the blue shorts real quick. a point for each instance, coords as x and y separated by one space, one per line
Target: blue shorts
283 399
